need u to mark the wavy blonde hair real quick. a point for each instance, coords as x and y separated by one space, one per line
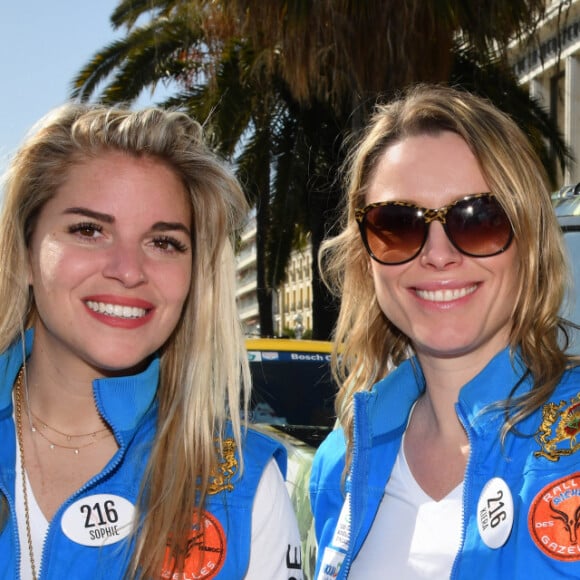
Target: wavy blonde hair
369 342
204 378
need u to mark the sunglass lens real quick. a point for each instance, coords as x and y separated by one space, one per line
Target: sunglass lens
394 233
479 226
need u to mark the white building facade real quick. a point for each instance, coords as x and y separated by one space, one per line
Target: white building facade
246 280
549 66
294 296
292 301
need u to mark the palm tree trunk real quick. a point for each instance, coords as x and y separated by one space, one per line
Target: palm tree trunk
324 304
262 227
323 210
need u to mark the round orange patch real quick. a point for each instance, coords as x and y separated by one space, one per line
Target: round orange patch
206 551
554 519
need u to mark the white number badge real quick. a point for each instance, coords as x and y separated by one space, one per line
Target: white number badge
495 513
98 520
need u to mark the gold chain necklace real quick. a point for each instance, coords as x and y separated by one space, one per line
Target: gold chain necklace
52 444
68 436
75 448
19 394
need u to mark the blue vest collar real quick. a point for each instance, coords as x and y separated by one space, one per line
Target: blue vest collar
122 401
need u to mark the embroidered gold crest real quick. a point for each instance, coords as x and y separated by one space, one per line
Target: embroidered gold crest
227 468
559 429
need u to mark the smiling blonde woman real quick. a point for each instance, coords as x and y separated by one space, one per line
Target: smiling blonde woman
456 452
123 369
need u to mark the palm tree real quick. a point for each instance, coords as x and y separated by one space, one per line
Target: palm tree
280 84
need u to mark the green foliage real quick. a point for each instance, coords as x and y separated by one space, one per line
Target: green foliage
289 332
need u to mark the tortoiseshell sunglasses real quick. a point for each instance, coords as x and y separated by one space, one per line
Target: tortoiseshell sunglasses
394 232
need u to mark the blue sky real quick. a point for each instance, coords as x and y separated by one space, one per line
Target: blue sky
43 44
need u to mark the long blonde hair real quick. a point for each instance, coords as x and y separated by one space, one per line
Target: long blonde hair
204 378
369 343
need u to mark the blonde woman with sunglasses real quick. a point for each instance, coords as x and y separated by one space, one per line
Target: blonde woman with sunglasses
123 369
456 452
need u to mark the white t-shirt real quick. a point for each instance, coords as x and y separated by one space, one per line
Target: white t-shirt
275 546
413 537
275 549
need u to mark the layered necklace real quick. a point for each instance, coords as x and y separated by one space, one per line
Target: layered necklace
40 427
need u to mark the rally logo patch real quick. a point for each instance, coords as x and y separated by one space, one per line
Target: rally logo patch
221 478
554 519
558 433
205 551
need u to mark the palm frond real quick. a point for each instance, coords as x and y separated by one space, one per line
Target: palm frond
146 55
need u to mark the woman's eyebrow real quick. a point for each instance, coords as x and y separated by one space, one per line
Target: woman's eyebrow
103 217
167 226
109 219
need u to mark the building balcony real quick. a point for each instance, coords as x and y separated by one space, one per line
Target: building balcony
249 287
245 260
248 312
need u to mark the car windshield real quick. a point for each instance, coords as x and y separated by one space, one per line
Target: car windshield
292 386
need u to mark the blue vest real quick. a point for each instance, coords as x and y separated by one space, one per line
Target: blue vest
88 536
521 500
